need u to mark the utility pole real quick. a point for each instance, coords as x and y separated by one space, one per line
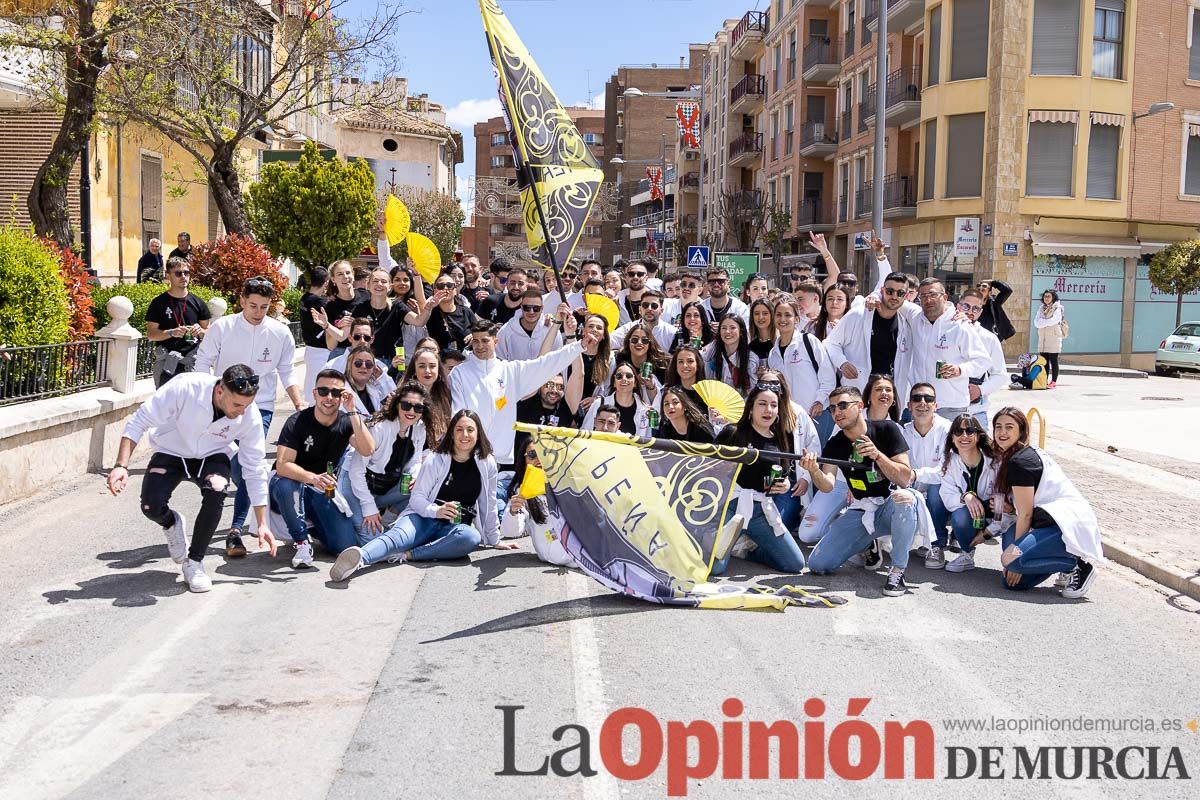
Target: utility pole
879 163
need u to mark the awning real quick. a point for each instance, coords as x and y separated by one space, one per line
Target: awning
1108 119
1054 116
1149 248
1066 244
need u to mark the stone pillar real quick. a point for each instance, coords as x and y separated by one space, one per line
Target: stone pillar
123 344
1003 178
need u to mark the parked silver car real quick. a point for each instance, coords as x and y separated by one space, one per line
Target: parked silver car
1179 352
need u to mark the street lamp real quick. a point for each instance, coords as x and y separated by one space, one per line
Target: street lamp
1156 108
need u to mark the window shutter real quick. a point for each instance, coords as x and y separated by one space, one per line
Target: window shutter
151 189
1049 159
1194 53
1191 178
1104 142
969 40
964 151
929 168
935 46
1055 37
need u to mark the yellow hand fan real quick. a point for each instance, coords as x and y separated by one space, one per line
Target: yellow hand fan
534 483
396 220
605 307
425 257
722 398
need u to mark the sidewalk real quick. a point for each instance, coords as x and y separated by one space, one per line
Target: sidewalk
1090 371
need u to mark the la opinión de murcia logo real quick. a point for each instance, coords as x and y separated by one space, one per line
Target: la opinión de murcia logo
853 749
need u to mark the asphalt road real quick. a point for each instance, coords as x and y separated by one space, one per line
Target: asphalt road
117 683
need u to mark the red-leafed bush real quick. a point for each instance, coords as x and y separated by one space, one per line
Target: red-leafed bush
227 263
75 278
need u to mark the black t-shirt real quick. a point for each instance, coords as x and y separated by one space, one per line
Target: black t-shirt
171 312
495 309
752 476
694 433
761 348
475 296
364 394
632 307
589 385
336 307
628 417
177 253
313 334
316 445
1025 469
532 412
450 329
462 485
389 330
888 439
402 452
883 344
376 315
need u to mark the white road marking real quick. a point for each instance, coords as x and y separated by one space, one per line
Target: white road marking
589 684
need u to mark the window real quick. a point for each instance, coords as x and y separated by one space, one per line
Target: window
499 139
786 195
774 135
964 155
1055 37
789 123
1050 159
816 107
969 40
791 64
1104 144
1107 37
1194 54
935 47
930 166
778 72
593 138
772 194
501 162
843 191
151 199
1191 167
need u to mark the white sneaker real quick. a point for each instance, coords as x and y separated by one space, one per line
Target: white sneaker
348 563
964 562
304 555
177 538
197 579
935 558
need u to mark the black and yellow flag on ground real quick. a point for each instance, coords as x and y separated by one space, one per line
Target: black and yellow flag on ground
554 164
645 516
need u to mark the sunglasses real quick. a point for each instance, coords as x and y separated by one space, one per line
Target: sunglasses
848 282
328 391
923 398
769 386
502 279
651 306
624 376
894 292
636 274
182 272
363 364
408 405
530 455
966 432
260 283
531 309
443 287
361 337
845 405
638 340
244 385
718 280
969 308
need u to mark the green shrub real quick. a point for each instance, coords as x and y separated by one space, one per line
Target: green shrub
291 301
33 300
140 294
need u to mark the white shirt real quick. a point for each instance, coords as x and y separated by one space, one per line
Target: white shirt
806 385
384 433
996 376
423 501
954 485
926 343
664 334
925 453
267 348
734 306
514 343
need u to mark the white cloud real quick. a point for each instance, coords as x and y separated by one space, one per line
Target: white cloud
464 115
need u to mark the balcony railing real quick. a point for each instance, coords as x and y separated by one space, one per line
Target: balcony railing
144 368
813 211
49 370
846 126
753 22
862 117
899 191
818 51
746 143
816 133
691 180
843 204
870 14
848 46
903 86
751 85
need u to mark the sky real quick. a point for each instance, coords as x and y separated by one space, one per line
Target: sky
576 43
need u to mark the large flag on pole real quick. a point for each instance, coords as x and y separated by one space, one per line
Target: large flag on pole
554 165
644 516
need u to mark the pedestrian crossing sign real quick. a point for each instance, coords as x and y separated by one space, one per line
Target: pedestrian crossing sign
699 257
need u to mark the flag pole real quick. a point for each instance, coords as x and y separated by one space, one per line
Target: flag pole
537 202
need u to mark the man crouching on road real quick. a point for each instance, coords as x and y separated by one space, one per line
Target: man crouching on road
193 423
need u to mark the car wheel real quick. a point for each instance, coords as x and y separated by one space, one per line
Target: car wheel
1165 372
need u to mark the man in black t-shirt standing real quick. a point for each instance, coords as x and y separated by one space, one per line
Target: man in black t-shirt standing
176 321
503 305
310 448
881 489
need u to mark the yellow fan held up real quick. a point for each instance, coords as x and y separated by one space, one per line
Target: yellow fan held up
722 398
425 257
605 307
396 221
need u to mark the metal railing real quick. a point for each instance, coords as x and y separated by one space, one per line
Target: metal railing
652 218
848 46
145 358
870 14
818 51
811 212
746 143
816 133
862 117
752 22
847 128
904 85
843 206
750 84
691 179
899 191
50 370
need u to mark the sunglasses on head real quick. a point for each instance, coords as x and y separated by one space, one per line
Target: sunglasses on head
843 405
328 391
769 386
260 283
244 385
408 405
923 398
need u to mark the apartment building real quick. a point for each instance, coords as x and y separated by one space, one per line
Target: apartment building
497 226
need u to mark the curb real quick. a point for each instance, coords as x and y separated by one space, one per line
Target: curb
1092 372
1168 576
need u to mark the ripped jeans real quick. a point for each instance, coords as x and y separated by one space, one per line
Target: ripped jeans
165 472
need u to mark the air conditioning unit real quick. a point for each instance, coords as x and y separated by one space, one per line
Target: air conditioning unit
691 155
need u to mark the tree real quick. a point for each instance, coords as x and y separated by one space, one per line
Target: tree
314 212
212 77
66 44
226 264
435 215
1176 270
743 216
780 220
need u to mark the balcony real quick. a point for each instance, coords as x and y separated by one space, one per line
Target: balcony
848 45
745 149
690 182
747 95
748 34
820 63
899 197
843 205
817 140
846 126
903 98
862 117
901 14
814 215
870 16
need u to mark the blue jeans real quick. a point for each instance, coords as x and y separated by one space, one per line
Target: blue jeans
503 480
937 510
848 536
824 425
241 500
299 504
1042 555
780 553
790 508
822 511
963 525
423 538
393 498
979 412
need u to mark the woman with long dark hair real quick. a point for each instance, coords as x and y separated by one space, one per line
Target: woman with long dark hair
536 517
641 348
755 288
682 419
425 368
685 371
968 478
833 308
729 358
623 393
1049 322
341 300
879 398
761 428
762 329
316 350
1055 528
597 361
804 437
694 323
452 509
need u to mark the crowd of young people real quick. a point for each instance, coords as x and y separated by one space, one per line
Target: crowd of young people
408 452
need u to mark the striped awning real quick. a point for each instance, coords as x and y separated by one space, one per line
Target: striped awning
1067 244
1193 130
1054 116
1116 120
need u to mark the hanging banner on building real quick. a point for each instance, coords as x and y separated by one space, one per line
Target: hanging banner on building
966 237
688 115
655 175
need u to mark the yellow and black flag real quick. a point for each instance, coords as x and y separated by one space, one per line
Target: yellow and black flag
644 517
557 175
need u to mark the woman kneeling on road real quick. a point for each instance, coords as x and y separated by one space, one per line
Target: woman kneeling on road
1056 529
455 487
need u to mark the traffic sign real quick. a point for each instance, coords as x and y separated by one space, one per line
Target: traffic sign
699 257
